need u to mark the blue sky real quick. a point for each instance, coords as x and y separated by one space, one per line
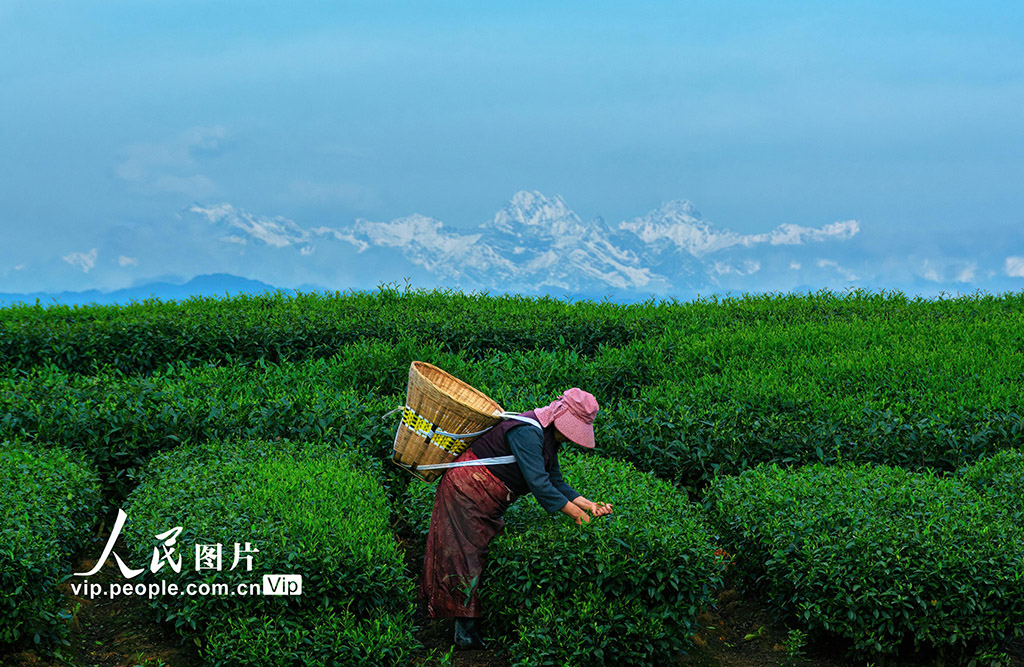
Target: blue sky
119 116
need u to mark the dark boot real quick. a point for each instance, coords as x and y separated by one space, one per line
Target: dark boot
467 634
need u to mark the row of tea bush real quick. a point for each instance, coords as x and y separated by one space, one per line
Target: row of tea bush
321 513
885 559
311 509
686 430
50 503
624 589
119 424
144 337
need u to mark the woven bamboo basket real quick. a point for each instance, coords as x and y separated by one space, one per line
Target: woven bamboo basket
438 401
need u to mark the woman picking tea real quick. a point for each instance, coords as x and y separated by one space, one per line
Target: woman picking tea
470 502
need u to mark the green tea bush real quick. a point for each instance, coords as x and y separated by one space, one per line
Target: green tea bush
49 503
143 337
1000 479
322 637
688 390
119 422
691 432
881 557
641 574
589 630
311 509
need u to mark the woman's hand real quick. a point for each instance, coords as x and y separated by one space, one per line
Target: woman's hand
597 509
576 512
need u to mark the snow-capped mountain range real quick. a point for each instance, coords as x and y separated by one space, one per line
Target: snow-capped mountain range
535 244
538 243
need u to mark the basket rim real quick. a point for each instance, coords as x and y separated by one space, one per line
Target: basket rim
417 365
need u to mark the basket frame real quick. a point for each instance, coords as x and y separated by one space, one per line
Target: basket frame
437 401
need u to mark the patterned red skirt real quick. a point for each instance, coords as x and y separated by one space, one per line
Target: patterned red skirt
468 507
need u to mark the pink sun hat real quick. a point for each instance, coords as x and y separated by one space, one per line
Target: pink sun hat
573 414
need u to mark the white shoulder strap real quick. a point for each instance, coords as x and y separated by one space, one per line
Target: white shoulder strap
528 420
504 415
494 460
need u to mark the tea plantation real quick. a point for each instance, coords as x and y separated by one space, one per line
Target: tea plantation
859 455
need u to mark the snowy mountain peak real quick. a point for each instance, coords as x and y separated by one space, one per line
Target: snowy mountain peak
677 224
678 209
532 212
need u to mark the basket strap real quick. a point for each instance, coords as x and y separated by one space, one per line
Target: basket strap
504 415
460 436
429 430
512 415
494 460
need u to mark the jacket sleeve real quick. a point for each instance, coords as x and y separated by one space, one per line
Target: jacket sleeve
559 483
526 442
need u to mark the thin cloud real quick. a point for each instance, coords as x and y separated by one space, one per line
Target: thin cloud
186 185
350 194
787 234
841 270
426 242
13 269
1014 267
680 224
944 271
747 268
127 261
83 260
966 274
173 165
278 232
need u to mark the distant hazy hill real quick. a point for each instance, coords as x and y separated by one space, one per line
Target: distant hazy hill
217 284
